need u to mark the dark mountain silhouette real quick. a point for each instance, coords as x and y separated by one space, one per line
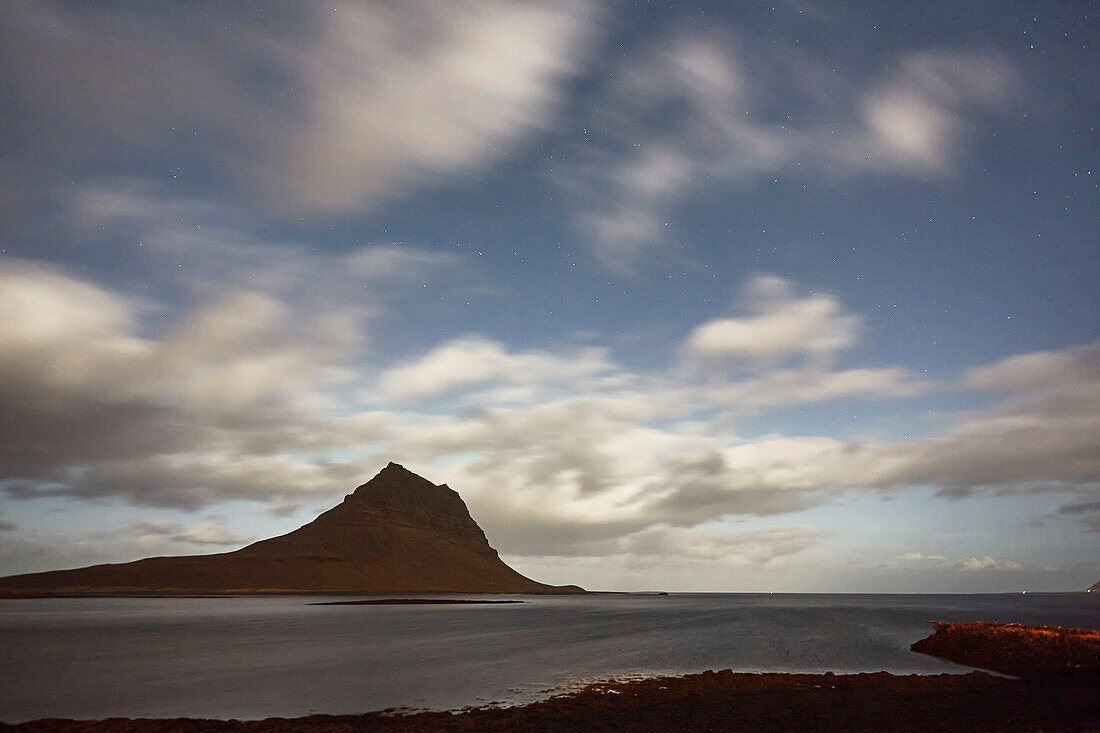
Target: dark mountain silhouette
397 533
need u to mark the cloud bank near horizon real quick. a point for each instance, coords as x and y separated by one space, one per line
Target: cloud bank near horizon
559 452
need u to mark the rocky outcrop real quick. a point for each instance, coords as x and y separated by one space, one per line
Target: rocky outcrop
1015 649
397 533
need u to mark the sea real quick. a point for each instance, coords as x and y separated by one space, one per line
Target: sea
279 656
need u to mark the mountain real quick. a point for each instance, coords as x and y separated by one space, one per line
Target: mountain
397 533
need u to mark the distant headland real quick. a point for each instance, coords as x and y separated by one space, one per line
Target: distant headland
397 533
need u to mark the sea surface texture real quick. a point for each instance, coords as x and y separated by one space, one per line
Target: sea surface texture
279 656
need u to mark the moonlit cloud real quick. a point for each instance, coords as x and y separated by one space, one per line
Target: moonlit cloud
1087 511
399 93
985 562
382 97
805 386
914 119
204 533
474 360
200 413
725 134
780 325
922 558
226 405
751 547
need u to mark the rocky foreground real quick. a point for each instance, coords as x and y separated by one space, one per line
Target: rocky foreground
1063 700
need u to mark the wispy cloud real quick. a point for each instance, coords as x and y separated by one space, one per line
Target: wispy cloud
696 112
376 99
779 325
227 388
210 532
399 94
986 562
475 360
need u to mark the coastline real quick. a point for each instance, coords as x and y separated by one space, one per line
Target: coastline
1058 676
710 700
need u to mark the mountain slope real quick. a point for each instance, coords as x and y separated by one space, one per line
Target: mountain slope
397 533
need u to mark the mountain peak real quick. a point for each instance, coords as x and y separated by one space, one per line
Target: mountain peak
396 487
397 472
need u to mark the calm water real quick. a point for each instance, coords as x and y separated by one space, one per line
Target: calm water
261 657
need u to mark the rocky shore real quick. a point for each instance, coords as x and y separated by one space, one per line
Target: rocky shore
1061 700
1015 649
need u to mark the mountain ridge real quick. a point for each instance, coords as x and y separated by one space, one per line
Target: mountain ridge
397 533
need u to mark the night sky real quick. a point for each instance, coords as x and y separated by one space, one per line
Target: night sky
685 296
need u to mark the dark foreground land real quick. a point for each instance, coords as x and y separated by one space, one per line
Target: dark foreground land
1053 697
726 701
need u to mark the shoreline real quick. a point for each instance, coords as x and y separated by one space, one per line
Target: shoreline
13 595
1055 674
723 700
414 602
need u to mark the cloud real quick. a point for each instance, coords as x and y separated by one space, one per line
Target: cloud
99 76
205 475
805 386
231 387
739 549
985 562
204 411
780 328
698 111
59 333
400 93
563 453
146 538
1088 511
564 476
1040 372
781 325
227 390
210 532
476 360
198 243
973 564
619 452
917 557
1046 431
320 108
915 119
